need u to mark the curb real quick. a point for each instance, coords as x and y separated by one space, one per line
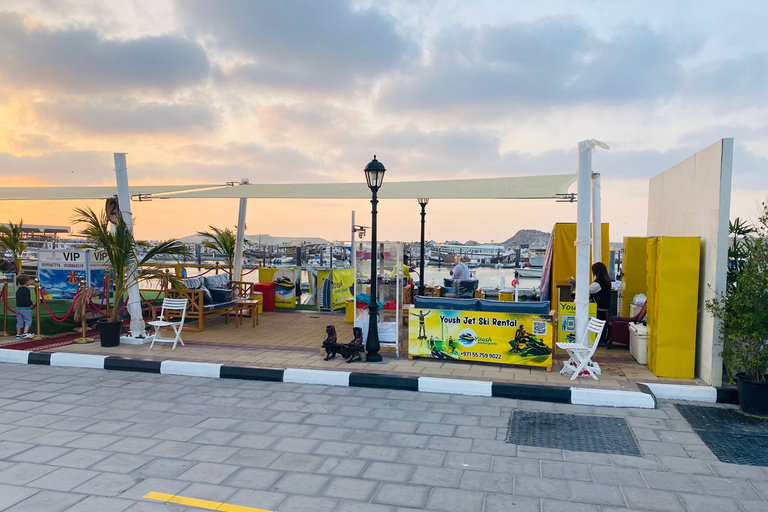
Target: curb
645 399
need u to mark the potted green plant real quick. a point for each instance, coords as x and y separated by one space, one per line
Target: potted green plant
743 315
121 250
11 239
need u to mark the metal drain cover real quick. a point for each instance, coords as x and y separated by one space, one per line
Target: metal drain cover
732 436
597 434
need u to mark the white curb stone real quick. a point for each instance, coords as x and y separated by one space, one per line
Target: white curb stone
678 392
78 360
611 398
328 378
455 386
190 369
13 356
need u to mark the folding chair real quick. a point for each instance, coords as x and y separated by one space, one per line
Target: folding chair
172 308
580 354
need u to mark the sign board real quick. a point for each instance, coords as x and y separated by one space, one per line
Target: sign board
492 337
61 271
285 280
566 320
112 207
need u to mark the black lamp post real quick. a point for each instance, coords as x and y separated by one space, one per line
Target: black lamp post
423 202
374 175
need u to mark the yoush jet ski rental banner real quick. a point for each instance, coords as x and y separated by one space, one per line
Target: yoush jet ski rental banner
492 337
285 280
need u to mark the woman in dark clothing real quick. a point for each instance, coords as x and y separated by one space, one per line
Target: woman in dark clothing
600 292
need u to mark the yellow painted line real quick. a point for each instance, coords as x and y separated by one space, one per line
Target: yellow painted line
198 503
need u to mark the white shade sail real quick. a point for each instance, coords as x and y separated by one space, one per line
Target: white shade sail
40 193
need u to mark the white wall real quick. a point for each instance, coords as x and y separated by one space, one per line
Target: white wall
693 198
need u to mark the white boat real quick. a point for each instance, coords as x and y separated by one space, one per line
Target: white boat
528 272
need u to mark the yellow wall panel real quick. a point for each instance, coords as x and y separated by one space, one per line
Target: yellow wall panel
635 257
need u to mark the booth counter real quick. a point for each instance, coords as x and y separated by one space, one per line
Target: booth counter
518 333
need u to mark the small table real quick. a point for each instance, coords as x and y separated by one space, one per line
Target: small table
251 307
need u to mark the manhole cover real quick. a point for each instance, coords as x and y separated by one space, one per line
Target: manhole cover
732 436
597 434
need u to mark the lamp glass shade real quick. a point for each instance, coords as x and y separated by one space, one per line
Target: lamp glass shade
374 174
423 201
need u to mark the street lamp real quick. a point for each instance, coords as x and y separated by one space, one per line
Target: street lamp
423 202
374 175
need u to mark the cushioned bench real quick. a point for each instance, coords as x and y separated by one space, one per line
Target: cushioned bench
211 296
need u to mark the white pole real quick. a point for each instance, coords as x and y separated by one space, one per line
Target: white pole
237 271
597 246
124 200
353 257
582 237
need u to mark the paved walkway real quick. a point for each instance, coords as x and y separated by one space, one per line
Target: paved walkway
94 440
293 339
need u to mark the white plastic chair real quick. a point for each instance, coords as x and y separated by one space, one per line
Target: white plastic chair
580 354
176 307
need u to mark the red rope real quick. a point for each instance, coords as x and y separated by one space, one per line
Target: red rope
250 271
199 275
4 297
66 315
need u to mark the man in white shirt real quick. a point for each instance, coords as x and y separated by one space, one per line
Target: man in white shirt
461 270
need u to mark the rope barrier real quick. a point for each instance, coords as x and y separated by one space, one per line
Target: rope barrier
251 271
4 296
199 275
66 315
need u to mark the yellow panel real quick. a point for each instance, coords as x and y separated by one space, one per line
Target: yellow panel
634 279
676 276
652 309
564 254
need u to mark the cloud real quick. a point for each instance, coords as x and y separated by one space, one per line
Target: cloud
80 61
67 168
551 61
129 116
300 44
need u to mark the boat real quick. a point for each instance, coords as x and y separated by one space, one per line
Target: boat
528 272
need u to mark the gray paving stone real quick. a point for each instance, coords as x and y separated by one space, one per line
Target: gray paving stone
475 461
58 437
476 432
685 465
296 462
63 479
738 471
435 429
652 499
383 453
389 471
101 504
353 467
635 462
107 484
601 494
220 493
295 445
208 472
173 449
177 433
728 487
163 468
617 476
23 434
134 445
47 501
253 478
353 506
516 466
423 457
301 483
659 448
334 448
437 477
350 489
536 486
408 440
494 447
553 505
216 454
122 463
534 452
93 441
507 503
450 444
699 503
307 504
761 486
401 495
22 473
40 454
565 470
670 481
10 448
486 481
454 500
257 499
752 506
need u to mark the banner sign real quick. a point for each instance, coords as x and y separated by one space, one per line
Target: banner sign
491 337
566 320
343 281
61 271
285 280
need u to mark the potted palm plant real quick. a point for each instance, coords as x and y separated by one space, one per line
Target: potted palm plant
743 315
121 250
11 240
222 241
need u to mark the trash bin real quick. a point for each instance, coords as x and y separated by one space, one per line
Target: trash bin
268 292
350 311
638 342
507 296
259 296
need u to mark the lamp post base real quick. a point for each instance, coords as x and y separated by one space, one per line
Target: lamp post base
373 358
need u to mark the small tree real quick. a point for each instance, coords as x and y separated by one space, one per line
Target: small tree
743 309
11 240
222 241
121 250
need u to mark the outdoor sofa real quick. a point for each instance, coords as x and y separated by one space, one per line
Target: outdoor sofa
211 296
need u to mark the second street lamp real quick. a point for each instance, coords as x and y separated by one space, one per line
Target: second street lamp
423 202
374 176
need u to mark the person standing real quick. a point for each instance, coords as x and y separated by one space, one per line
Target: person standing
461 270
23 307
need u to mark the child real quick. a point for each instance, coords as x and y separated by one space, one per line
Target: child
23 307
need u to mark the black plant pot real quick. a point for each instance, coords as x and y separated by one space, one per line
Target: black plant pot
109 333
753 397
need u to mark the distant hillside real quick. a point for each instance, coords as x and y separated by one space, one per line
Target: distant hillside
534 238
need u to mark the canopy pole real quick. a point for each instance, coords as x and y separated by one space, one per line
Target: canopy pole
237 271
582 237
124 200
597 247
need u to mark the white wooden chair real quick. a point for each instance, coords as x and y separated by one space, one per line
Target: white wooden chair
172 308
580 354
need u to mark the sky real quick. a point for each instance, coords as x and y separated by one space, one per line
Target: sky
306 91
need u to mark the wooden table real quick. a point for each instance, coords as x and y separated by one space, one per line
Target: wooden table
249 306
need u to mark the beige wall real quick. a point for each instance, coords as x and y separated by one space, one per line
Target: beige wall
693 198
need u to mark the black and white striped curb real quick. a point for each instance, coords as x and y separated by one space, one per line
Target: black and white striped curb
646 399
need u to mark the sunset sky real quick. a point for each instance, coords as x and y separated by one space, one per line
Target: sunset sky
308 91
